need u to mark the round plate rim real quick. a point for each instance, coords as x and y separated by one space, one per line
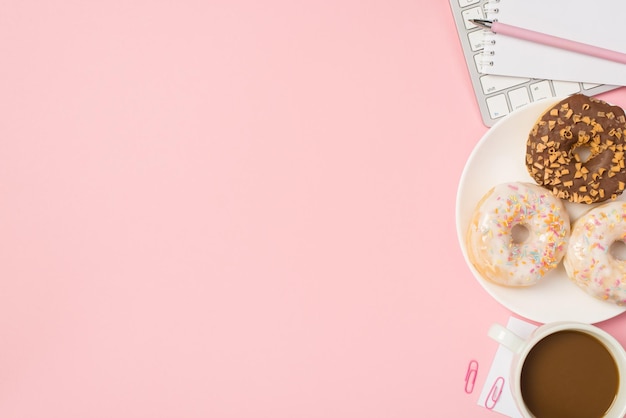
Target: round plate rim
596 310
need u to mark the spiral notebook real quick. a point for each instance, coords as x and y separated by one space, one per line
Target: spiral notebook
599 22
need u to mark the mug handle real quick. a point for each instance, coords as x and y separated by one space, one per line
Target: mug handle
506 337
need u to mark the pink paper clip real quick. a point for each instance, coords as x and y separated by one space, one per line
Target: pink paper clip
494 393
470 376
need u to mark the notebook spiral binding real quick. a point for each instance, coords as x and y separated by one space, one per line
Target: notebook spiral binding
491 13
491 9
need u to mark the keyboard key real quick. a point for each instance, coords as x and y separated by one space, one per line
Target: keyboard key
494 83
565 88
588 86
478 58
519 98
473 13
497 106
541 90
465 3
476 39
517 92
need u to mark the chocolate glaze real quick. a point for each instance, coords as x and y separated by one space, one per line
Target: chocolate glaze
556 142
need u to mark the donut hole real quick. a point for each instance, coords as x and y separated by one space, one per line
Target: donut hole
618 250
520 233
582 154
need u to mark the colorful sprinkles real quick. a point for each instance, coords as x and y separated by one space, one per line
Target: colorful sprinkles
496 253
589 262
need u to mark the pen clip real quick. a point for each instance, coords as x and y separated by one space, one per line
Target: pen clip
494 393
470 376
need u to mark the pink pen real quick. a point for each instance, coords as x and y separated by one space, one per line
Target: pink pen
542 38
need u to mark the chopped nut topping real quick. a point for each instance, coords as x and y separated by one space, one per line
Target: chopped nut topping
553 154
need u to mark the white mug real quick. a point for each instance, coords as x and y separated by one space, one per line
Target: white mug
559 331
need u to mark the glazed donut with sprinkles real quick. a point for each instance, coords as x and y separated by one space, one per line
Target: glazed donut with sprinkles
518 234
590 261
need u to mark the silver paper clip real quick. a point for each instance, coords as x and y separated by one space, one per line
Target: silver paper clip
494 393
470 376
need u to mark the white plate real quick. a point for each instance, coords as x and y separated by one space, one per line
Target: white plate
498 158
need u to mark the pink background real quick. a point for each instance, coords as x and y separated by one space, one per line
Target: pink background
236 209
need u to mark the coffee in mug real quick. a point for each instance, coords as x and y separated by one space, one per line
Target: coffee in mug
566 369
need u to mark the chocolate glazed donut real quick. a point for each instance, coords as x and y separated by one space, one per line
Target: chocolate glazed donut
558 142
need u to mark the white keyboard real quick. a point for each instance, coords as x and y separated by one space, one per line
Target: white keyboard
497 96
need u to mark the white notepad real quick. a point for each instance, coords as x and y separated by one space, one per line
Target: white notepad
596 22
